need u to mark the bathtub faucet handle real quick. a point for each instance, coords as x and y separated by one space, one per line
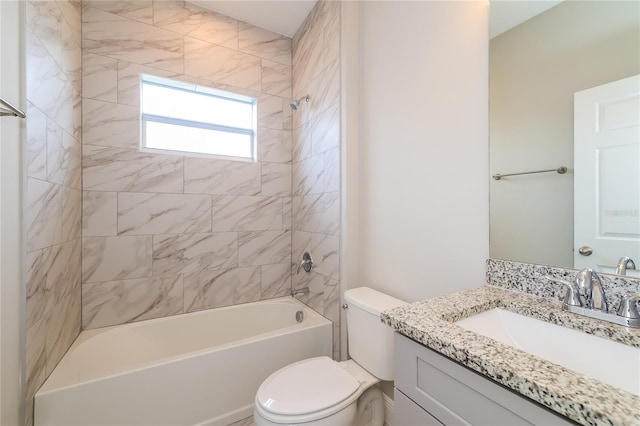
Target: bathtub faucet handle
306 264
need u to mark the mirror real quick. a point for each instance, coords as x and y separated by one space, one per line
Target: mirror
535 69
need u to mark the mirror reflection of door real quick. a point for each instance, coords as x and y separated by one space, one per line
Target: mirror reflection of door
607 175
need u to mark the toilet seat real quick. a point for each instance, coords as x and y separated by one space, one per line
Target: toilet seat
307 390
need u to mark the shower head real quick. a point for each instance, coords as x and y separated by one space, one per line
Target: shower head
294 105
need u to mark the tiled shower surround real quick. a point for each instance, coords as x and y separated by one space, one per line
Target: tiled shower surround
170 234
316 160
115 235
53 203
163 234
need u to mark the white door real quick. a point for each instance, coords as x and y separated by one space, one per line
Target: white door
607 175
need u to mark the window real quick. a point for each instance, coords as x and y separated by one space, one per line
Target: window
188 118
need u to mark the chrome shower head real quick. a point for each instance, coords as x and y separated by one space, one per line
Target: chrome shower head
294 105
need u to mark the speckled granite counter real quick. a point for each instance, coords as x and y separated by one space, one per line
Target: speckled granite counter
571 394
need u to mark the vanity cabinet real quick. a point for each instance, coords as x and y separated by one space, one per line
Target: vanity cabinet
432 390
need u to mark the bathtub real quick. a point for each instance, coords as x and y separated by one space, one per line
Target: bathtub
201 368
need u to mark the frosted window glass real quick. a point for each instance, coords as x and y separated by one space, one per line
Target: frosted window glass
192 139
187 118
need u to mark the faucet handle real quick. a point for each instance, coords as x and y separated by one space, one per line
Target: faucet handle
629 306
572 295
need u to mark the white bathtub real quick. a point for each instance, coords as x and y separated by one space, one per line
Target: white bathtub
199 368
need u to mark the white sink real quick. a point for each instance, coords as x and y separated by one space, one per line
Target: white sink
598 358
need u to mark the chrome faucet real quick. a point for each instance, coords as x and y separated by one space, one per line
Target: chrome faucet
300 292
587 279
597 306
624 263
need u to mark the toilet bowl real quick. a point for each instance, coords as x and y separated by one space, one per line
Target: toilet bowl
321 391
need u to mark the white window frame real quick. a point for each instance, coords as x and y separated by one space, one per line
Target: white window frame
200 90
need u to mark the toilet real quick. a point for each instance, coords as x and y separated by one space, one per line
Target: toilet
321 391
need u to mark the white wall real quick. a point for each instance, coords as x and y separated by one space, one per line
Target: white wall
423 148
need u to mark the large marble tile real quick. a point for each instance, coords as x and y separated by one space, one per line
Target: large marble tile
99 77
43 214
52 273
139 10
119 302
308 176
111 35
221 64
185 253
317 213
99 214
274 145
71 12
276 78
300 243
110 124
286 213
120 169
287 115
129 80
307 62
212 289
37 292
332 170
36 148
64 164
62 328
270 111
71 55
71 213
196 22
325 88
325 250
246 213
141 214
264 43
276 280
301 148
276 179
315 282
326 130
205 176
47 86
116 258
44 18
264 247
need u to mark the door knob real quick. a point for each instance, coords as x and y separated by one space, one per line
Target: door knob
585 250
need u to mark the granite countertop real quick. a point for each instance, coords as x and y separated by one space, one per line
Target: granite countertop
569 393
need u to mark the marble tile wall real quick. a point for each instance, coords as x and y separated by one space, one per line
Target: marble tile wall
53 195
163 234
316 160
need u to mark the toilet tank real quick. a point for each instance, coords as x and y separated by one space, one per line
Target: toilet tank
370 341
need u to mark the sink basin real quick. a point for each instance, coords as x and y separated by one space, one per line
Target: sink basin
610 362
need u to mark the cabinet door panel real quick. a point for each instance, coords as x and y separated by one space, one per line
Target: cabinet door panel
408 413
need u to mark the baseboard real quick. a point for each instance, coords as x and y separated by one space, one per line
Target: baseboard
388 409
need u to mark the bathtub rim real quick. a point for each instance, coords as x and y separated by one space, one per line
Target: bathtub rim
48 386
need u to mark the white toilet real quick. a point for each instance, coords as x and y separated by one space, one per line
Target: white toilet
321 391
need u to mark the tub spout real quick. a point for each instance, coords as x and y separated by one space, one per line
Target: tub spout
300 292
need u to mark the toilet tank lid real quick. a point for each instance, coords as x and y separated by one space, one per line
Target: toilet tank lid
371 300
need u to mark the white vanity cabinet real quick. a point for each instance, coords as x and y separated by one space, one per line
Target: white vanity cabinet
432 390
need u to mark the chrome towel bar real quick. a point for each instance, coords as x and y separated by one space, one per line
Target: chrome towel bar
8 109
560 170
